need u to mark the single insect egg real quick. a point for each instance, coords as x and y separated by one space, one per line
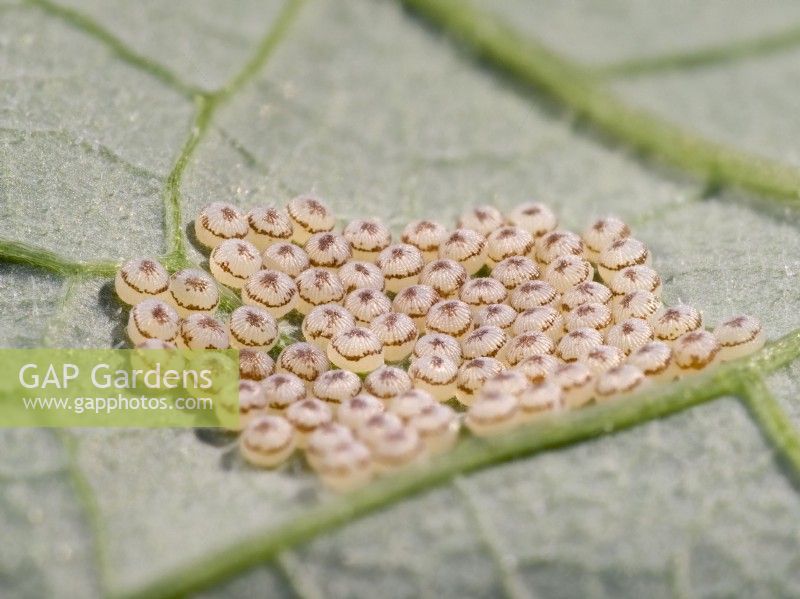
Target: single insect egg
537 368
565 272
576 382
602 358
255 364
601 234
498 315
654 359
201 331
397 332
450 317
695 350
327 250
286 258
387 382
585 293
485 341
618 381
153 319
267 441
556 244
473 374
219 221
438 427
376 426
356 411
436 375
268 225
483 219
483 291
361 275
576 343
507 381
317 286
637 304
306 416
325 322
445 277
138 280
309 215
347 467
357 349
252 402
467 247
304 360
504 242
492 413
271 290
739 336
514 271
526 345
324 440
636 278
629 335
534 217
415 301
401 264
438 344
336 386
397 449
252 327
426 236
532 294
542 319
367 237
367 304
282 390
539 399
594 316
192 290
411 403
670 323
621 254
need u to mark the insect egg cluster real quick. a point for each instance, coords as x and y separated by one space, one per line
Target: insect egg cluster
491 324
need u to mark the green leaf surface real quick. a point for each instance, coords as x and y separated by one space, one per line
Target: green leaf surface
119 120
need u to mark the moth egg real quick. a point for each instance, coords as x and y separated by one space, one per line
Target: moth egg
436 375
401 264
532 294
629 335
576 343
411 403
218 222
271 290
739 336
602 358
367 304
504 242
309 215
594 316
346 467
415 301
324 440
252 402
376 426
670 323
601 234
695 350
303 360
396 449
498 315
483 219
286 258
654 359
325 322
141 279
534 217
367 237
467 247
511 382
526 345
426 236
357 349
268 225
483 291
336 386
637 304
282 390
537 368
542 319
397 332
539 399
387 382
585 293
445 277
327 250
636 278
233 261
252 327
473 374
485 341
492 413
255 364
619 381
438 344
267 441
201 331
317 286
621 254
556 244
361 275
450 317
356 411
192 291
438 427
306 416
565 272
515 270
576 382
153 319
